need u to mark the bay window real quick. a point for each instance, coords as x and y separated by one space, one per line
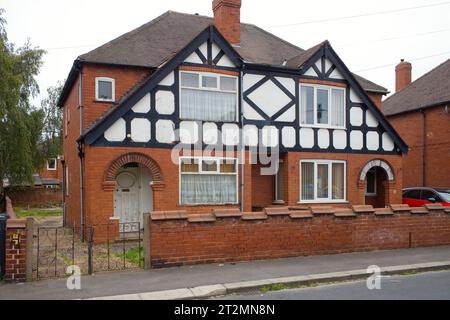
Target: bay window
208 97
208 180
322 106
322 180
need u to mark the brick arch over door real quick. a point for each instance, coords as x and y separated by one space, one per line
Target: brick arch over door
377 163
140 158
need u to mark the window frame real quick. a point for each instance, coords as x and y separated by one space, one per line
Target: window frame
201 172
374 193
56 164
316 124
113 89
201 88
276 195
329 199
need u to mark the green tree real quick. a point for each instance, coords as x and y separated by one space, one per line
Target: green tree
52 122
19 122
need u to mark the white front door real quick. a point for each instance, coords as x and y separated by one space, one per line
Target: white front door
133 196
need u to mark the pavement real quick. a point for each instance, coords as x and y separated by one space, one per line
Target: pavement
422 286
201 281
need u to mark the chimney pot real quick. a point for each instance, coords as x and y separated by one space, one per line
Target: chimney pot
227 19
402 75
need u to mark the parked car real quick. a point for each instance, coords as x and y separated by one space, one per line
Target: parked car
416 197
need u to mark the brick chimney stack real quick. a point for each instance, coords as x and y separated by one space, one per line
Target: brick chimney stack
227 19
402 75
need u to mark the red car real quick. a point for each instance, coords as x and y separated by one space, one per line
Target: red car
417 197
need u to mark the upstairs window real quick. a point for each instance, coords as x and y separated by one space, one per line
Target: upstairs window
208 97
51 164
104 89
322 106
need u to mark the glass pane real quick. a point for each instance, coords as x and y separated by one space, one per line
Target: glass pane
337 107
209 165
189 80
228 166
208 189
427 194
209 82
51 163
338 181
207 105
322 106
227 83
322 181
189 165
307 173
371 181
105 90
307 96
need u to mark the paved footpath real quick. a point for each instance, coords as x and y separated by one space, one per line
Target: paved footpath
120 283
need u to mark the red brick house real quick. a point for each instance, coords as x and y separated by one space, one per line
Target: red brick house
420 112
201 83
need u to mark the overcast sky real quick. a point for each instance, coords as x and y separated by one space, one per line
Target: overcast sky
370 45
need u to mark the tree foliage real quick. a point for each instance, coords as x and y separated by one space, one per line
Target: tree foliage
20 123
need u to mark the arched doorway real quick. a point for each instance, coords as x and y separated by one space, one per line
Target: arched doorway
376 177
132 177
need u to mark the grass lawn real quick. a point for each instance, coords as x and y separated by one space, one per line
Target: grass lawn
134 255
37 213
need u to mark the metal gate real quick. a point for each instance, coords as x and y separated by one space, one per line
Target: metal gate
2 246
107 247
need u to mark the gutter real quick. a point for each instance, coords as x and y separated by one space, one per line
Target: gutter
241 99
81 156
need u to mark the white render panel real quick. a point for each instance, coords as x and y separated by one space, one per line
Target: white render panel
165 102
288 83
372 140
188 132
250 113
194 58
140 130
210 133
354 97
306 137
319 64
356 140
339 139
251 135
204 49
214 50
225 62
230 134
143 105
269 136
288 137
371 121
336 74
269 98
117 131
323 138
328 65
168 80
250 80
356 116
287 116
310 72
388 144
165 131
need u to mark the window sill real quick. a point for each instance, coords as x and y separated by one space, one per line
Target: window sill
208 204
104 101
371 194
316 126
323 202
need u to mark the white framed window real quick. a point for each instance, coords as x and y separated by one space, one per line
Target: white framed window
208 180
371 185
279 183
104 89
322 106
51 164
208 96
322 181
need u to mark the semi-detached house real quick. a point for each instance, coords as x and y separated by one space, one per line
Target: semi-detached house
194 83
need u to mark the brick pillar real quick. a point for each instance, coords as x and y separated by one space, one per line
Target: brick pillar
292 176
16 248
159 196
361 188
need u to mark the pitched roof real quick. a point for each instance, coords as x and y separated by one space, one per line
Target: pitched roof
433 88
157 41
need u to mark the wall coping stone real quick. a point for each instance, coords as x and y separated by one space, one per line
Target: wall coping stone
344 212
363 209
16 223
201 217
434 206
300 214
419 210
383 212
277 211
319 210
227 213
400 207
254 216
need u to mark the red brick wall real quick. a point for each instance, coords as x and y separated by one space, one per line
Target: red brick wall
16 253
376 99
176 242
35 197
409 126
52 174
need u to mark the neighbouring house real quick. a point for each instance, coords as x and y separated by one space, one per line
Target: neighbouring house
420 112
313 130
45 189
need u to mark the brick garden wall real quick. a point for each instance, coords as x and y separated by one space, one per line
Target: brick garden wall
35 197
178 238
